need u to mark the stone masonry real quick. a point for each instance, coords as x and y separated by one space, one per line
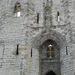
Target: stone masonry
31 36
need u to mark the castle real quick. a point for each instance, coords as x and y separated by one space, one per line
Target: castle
37 37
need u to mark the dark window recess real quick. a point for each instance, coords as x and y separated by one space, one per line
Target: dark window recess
58 17
17 7
50 52
31 52
57 13
37 17
66 51
17 52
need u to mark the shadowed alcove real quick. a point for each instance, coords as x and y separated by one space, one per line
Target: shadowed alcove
49 45
51 73
50 58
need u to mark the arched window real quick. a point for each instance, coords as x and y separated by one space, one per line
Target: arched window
50 51
17 9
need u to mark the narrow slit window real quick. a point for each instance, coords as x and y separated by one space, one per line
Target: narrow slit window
58 16
37 18
17 52
66 51
57 13
31 52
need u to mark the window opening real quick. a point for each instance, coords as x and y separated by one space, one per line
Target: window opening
50 51
17 49
17 9
58 16
66 51
31 52
37 18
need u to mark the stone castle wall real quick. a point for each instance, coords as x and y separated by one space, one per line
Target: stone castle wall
28 34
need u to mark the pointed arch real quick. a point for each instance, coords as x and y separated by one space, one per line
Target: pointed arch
51 73
58 41
39 39
49 49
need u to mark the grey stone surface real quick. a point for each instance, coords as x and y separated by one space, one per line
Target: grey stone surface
25 31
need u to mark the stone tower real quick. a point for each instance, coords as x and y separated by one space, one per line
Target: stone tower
37 37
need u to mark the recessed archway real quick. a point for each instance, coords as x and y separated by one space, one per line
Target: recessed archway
39 39
51 73
58 41
49 63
